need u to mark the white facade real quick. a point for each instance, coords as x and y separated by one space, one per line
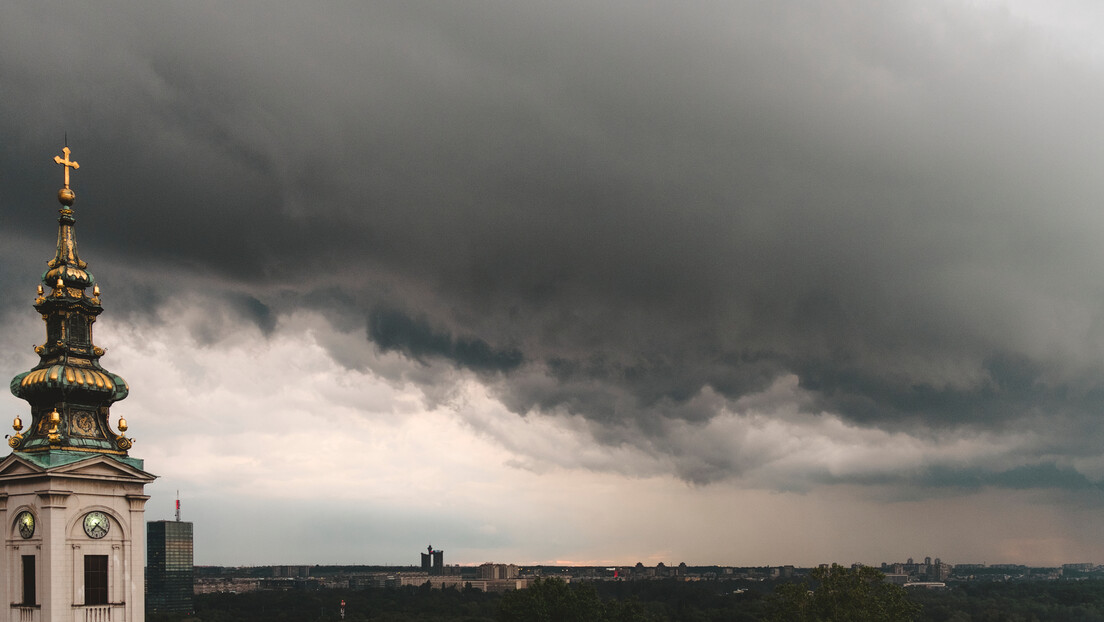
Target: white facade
59 497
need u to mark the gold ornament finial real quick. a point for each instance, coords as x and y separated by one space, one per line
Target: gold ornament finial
17 440
65 195
121 441
54 419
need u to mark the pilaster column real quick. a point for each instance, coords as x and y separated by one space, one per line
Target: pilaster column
135 571
6 585
55 597
118 565
78 574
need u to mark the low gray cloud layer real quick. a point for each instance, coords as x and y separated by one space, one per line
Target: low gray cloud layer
640 214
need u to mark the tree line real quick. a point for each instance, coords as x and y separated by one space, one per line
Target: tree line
834 593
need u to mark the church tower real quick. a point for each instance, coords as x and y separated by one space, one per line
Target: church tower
71 498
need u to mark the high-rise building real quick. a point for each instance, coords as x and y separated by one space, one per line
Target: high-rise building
71 496
433 561
170 573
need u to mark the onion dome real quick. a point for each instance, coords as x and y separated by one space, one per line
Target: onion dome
72 380
70 393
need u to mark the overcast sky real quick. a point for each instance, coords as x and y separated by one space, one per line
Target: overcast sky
741 283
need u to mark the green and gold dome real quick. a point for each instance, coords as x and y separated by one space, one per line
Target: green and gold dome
69 392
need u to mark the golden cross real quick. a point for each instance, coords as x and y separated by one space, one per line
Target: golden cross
67 163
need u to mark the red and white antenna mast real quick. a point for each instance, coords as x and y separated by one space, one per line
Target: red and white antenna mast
178 506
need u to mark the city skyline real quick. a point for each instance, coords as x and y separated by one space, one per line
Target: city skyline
735 283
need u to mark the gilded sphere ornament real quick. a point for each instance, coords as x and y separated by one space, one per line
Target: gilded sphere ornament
66 197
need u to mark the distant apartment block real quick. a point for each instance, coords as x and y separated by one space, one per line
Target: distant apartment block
457 582
293 572
498 571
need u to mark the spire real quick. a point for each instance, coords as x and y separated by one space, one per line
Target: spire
66 266
69 392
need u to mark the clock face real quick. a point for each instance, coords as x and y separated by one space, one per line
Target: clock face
26 523
96 524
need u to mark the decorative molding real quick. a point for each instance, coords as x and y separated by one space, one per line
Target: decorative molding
137 502
53 498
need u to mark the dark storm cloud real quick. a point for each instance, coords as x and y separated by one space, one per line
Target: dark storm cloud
898 203
258 312
1012 385
391 329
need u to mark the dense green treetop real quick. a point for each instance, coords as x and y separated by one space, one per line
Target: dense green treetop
839 594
